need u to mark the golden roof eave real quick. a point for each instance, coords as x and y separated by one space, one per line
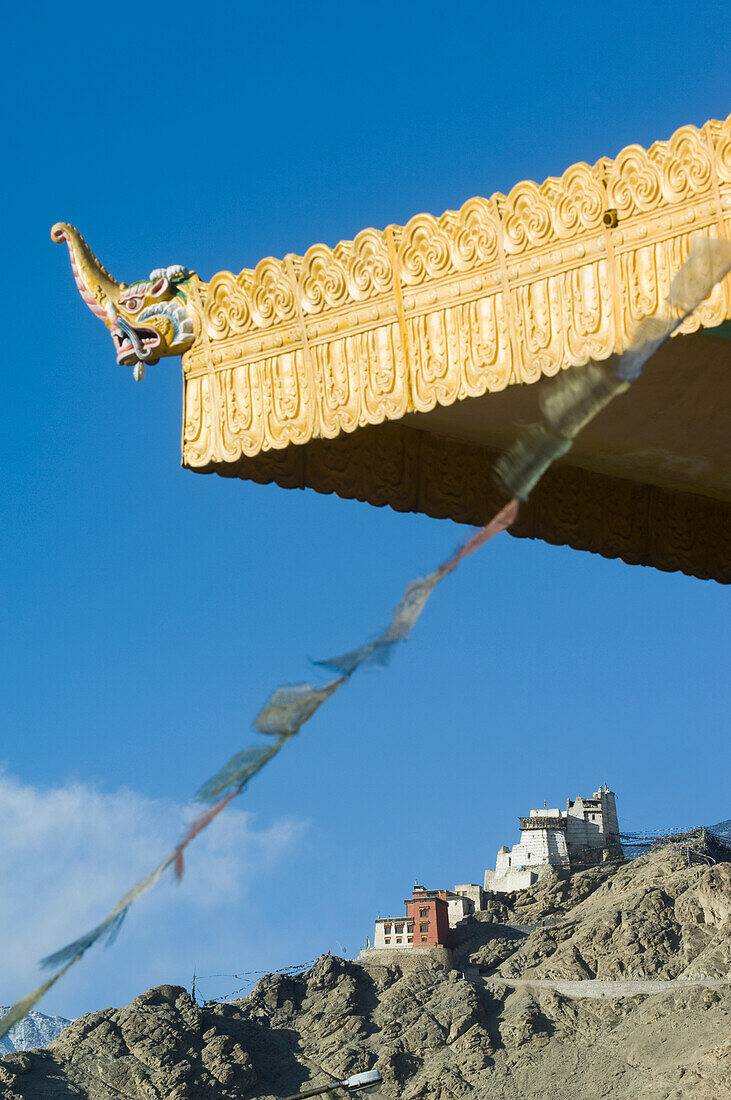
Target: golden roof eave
359 369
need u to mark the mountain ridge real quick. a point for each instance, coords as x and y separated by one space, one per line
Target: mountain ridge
438 1033
35 1030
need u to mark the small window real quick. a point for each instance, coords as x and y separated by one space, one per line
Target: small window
387 939
399 929
387 929
409 939
424 926
422 939
399 939
424 911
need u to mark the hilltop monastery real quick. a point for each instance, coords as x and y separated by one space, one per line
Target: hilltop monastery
552 842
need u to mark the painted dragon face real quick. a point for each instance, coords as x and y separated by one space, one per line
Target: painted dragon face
148 319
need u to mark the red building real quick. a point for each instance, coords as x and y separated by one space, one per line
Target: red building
429 912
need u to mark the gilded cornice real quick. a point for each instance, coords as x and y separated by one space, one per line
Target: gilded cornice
504 291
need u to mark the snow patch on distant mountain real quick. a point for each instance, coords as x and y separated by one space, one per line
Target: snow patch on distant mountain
36 1030
723 830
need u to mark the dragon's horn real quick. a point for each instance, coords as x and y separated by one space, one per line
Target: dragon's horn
96 285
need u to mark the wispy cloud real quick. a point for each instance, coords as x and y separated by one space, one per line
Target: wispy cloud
68 852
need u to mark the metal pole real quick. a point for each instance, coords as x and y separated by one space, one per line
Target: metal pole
314 1092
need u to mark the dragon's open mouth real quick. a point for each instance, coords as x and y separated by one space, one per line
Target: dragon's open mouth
130 342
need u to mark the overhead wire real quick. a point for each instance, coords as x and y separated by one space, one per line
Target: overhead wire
577 396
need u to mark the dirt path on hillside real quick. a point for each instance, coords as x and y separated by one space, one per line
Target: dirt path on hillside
594 988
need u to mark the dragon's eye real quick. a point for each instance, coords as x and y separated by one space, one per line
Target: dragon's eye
131 304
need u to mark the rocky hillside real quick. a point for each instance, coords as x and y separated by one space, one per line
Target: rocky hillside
652 918
612 984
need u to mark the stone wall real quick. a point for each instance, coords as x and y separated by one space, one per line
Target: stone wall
411 958
537 847
458 908
512 880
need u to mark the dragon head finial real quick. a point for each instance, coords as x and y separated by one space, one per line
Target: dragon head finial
148 319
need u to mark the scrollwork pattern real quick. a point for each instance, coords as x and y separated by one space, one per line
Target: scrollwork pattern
720 139
228 305
687 165
368 265
579 202
322 280
633 182
474 235
527 220
502 291
272 296
424 251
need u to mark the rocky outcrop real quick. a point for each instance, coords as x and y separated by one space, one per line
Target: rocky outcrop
159 1045
655 918
436 1033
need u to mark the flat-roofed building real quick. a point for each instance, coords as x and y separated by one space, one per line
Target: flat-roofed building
474 892
426 923
393 932
430 914
554 840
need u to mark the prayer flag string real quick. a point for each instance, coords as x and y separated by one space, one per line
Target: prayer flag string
567 406
582 392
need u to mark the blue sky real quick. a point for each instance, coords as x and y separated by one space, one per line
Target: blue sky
147 612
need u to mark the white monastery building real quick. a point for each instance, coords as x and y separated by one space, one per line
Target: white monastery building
582 835
552 842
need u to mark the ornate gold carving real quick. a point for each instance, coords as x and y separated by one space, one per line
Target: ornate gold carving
505 290
314 350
